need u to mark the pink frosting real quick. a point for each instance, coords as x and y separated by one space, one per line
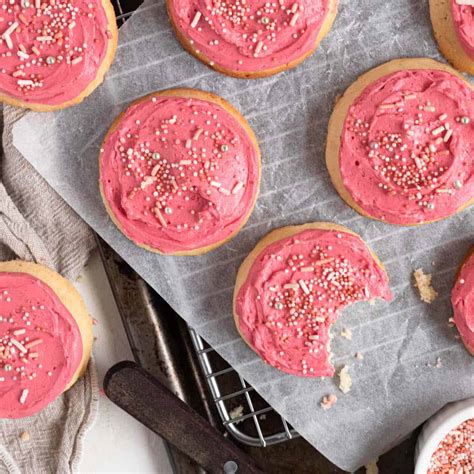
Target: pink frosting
179 174
462 298
253 35
463 18
294 292
407 146
51 50
40 345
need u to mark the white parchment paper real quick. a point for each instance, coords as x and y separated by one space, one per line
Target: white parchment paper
396 386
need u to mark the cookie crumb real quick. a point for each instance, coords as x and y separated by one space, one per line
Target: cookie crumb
437 365
345 380
328 401
359 355
236 412
371 467
25 436
423 282
347 333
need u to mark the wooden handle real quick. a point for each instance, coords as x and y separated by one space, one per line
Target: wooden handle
145 398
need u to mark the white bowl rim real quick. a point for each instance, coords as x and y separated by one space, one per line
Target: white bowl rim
434 431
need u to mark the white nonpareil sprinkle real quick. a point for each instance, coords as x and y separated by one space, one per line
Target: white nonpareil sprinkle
224 191
438 130
447 136
259 47
10 29
23 396
160 217
196 19
304 287
9 41
294 18
237 187
20 346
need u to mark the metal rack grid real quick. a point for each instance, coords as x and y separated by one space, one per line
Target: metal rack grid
123 11
260 424
254 409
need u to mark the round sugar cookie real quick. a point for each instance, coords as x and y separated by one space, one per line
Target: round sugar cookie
251 39
54 53
45 337
462 299
180 172
453 26
292 287
400 143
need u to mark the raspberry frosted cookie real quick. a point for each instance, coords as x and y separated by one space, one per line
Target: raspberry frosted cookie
293 286
53 53
401 140
45 337
462 299
453 25
253 38
180 172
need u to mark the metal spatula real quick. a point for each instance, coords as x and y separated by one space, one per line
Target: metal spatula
145 398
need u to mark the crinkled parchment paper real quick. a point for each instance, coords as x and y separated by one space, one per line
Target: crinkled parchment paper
397 385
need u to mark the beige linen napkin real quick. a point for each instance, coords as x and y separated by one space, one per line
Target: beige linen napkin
37 225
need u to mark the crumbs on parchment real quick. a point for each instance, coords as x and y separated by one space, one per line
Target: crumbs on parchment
371 467
236 412
347 333
328 401
423 282
345 379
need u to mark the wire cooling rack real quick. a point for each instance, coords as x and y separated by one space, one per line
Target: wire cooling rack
238 403
244 413
124 9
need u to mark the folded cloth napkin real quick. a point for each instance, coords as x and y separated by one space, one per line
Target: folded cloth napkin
37 225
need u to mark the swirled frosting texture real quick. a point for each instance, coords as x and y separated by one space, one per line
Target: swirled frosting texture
407 146
250 36
179 174
463 18
462 299
51 50
294 292
40 345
